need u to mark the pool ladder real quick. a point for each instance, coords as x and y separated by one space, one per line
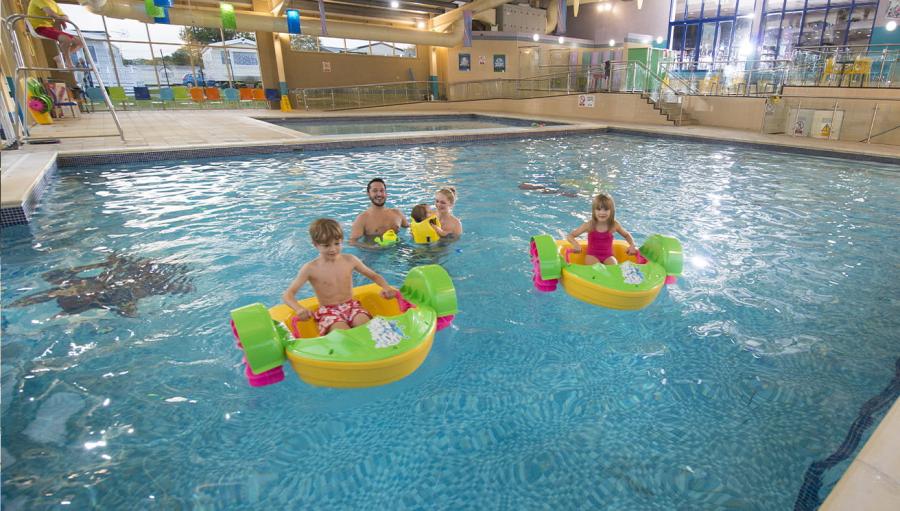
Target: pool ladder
22 75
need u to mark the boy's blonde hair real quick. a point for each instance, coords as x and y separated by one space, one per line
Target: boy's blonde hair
325 230
420 212
449 192
606 201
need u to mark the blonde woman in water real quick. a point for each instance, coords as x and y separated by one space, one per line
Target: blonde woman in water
444 200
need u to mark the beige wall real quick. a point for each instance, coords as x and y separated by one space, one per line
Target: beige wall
608 107
304 69
727 112
487 50
513 50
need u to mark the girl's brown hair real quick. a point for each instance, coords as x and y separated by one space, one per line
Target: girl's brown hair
606 201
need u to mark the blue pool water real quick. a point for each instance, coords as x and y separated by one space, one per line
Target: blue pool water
719 395
394 124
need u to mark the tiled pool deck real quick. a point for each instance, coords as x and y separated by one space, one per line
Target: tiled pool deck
872 482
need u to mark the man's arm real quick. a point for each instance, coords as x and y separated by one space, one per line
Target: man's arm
404 222
357 229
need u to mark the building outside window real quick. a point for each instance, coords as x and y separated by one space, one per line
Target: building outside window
354 46
704 32
789 24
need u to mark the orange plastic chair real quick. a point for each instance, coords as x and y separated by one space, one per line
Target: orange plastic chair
259 95
197 94
246 94
212 94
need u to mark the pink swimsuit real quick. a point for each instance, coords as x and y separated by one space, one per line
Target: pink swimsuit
600 245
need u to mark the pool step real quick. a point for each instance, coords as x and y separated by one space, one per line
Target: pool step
672 111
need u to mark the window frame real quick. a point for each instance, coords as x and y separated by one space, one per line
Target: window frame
693 63
828 8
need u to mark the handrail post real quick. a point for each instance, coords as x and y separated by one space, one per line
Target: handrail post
332 98
833 118
872 124
796 117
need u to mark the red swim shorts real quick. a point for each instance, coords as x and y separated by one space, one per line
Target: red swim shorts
327 315
52 33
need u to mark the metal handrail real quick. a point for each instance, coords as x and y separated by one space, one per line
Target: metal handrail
358 96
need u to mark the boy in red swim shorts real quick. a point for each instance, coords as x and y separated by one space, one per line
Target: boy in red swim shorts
50 29
331 277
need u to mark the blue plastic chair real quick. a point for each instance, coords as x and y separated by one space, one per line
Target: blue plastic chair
95 95
273 95
232 96
142 93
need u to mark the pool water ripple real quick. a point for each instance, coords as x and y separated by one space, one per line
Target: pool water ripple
718 395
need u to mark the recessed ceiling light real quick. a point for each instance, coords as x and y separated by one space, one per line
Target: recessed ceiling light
394 4
420 24
561 39
535 38
659 40
612 42
891 26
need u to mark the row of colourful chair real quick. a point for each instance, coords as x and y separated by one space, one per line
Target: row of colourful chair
185 97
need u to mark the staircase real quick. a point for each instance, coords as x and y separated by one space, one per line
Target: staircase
672 111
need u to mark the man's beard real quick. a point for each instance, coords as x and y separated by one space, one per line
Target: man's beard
377 202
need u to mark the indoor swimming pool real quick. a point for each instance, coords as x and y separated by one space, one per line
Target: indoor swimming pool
394 124
122 388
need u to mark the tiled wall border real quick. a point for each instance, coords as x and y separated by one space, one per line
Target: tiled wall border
22 214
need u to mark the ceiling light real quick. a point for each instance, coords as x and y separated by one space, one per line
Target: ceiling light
561 39
535 38
600 7
607 7
612 42
891 25
420 24
394 4
659 39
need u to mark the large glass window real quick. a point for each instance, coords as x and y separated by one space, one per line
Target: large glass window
803 23
702 32
354 46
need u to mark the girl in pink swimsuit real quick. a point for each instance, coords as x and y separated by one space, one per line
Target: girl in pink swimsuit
600 229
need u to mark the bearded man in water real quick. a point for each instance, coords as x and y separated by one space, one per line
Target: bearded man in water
377 219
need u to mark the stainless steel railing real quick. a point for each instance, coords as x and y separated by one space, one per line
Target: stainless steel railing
846 66
368 95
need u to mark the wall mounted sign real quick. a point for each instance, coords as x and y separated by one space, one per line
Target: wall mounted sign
465 61
500 63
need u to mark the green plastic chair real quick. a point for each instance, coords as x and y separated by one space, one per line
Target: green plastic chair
118 97
183 97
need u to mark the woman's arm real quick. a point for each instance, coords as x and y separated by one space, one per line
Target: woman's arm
572 236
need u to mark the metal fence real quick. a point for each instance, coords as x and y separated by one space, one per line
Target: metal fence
368 95
846 66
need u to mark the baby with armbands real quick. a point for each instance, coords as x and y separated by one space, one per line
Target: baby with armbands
425 226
